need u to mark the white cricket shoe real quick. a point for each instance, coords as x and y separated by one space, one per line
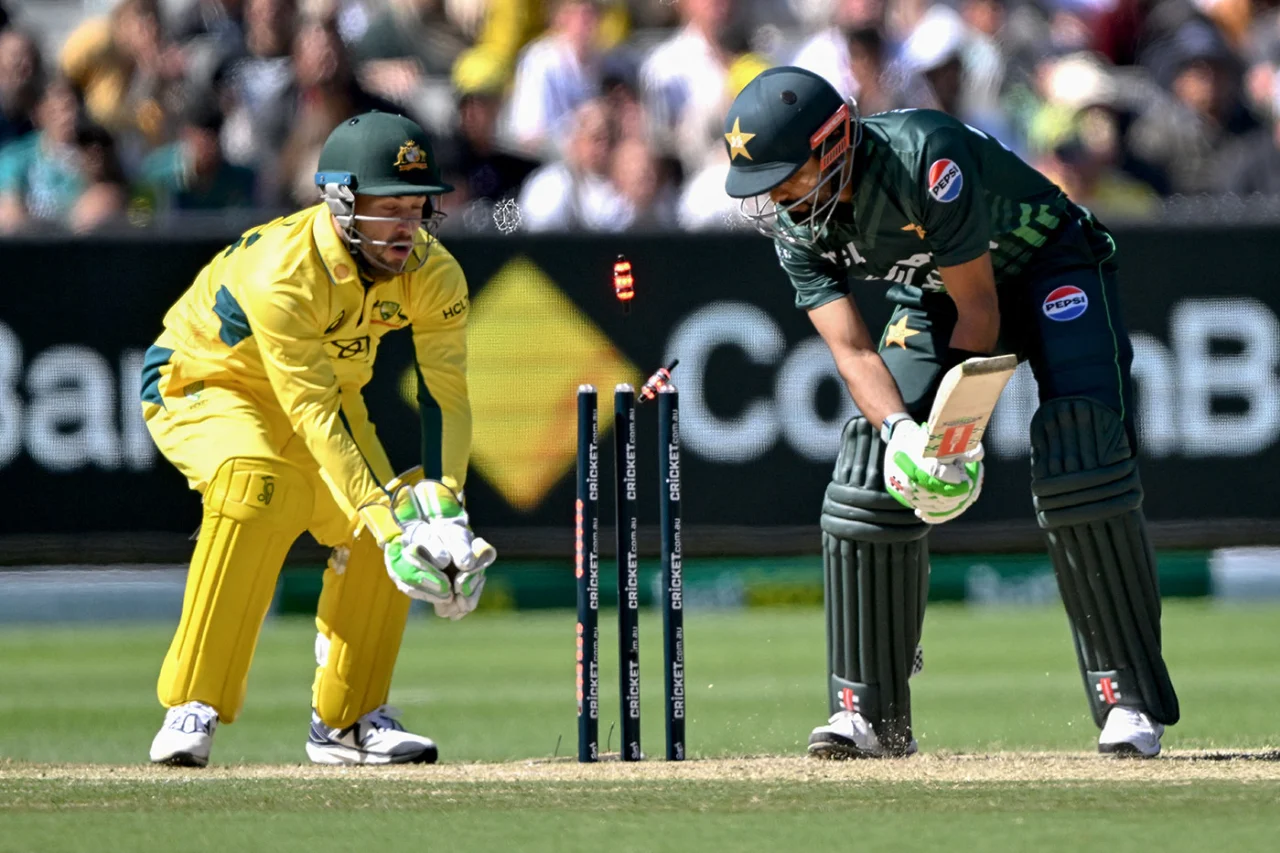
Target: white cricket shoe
375 738
848 734
186 736
1129 732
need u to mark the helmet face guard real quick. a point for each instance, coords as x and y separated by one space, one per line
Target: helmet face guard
339 193
833 144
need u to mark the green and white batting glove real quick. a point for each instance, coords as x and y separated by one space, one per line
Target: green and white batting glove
449 531
937 491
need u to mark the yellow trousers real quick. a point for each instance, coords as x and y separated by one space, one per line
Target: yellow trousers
261 490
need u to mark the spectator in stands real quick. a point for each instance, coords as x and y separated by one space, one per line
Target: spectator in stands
20 80
105 194
1254 165
46 175
1262 41
576 193
408 39
471 158
502 28
220 21
620 88
323 94
956 70
827 53
983 16
877 92
1084 163
1189 139
688 81
508 25
406 56
192 174
256 81
39 173
984 60
124 70
931 61
555 74
209 34
637 177
688 73
703 205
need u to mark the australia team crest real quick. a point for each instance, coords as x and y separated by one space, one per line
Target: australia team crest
411 156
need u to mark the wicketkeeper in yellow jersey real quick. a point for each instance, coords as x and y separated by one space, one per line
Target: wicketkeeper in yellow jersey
253 392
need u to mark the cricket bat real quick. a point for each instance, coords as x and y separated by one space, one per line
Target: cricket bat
964 403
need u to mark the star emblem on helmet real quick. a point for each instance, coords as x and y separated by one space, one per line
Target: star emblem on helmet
411 156
738 141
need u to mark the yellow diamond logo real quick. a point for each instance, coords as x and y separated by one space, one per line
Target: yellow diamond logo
528 349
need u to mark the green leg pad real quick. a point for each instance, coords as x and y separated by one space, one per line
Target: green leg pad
1088 499
876 579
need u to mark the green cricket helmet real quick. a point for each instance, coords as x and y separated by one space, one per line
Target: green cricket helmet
380 154
779 121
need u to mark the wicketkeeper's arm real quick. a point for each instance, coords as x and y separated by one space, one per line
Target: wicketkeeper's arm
438 310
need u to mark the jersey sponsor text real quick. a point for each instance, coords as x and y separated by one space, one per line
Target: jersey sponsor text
1065 303
945 181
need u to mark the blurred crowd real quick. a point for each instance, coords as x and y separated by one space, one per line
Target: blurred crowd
605 115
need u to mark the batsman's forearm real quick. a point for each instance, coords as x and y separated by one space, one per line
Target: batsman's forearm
871 385
977 326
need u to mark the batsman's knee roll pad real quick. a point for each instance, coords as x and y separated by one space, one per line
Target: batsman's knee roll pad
1082 467
254 509
360 622
876 570
1088 498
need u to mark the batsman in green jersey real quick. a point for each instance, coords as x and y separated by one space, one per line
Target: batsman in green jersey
981 254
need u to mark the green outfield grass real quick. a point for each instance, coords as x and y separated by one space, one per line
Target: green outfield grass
499 688
307 815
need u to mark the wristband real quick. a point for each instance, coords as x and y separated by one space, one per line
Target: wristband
886 428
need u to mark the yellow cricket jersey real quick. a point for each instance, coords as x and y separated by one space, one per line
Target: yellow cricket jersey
283 314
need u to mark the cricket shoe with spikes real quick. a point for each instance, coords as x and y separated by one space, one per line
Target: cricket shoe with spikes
186 736
375 738
1130 733
848 734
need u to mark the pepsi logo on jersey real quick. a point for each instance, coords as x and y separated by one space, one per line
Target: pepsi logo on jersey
1065 303
945 180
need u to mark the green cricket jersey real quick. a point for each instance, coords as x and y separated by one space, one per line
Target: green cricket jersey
928 192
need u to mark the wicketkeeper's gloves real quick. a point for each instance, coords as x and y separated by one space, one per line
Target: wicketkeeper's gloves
437 557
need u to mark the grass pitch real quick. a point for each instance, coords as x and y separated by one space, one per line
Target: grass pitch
1000 715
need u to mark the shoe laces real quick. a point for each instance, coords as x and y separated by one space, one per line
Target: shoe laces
1134 718
384 718
179 715
856 721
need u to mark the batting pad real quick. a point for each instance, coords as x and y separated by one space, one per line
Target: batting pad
1088 499
254 509
876 579
360 620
